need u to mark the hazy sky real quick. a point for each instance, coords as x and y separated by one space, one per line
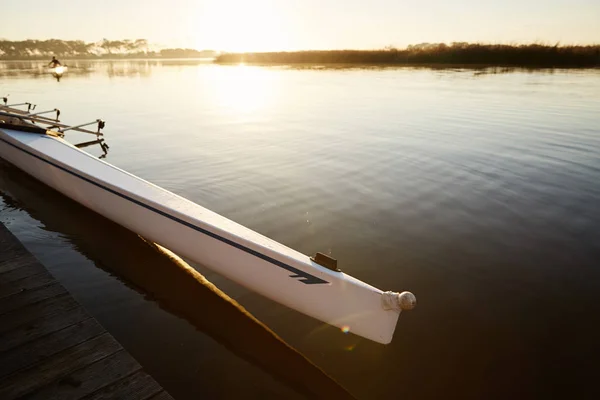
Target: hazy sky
303 24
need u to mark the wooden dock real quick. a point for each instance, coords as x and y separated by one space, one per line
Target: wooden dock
50 347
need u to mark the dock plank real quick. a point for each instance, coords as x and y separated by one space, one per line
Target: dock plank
89 379
31 352
10 264
50 347
32 296
11 251
32 312
40 327
58 367
19 273
31 282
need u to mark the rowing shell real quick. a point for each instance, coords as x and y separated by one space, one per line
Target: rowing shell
198 234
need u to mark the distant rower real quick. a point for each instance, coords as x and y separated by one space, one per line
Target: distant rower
54 63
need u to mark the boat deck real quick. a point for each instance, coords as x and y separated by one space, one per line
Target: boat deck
50 347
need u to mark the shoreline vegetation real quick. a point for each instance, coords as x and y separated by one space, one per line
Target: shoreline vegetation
80 50
464 54
428 54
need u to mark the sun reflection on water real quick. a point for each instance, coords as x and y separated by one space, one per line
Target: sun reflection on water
244 89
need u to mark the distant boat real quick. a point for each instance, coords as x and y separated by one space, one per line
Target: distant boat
311 285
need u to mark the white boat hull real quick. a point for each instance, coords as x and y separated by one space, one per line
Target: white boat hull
193 232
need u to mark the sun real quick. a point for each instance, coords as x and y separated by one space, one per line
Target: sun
241 26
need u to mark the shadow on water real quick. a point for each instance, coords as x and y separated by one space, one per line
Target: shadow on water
168 280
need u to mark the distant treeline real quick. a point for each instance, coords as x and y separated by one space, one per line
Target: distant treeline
530 55
78 49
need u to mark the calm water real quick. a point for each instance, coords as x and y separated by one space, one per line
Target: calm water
479 192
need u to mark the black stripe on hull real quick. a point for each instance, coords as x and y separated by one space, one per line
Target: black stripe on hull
305 277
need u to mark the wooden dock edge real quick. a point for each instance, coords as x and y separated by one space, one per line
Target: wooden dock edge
50 347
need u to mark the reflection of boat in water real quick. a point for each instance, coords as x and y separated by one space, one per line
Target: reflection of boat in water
313 286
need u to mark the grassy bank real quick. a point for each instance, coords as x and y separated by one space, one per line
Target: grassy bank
532 55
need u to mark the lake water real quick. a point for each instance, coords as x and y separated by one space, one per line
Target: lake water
477 190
